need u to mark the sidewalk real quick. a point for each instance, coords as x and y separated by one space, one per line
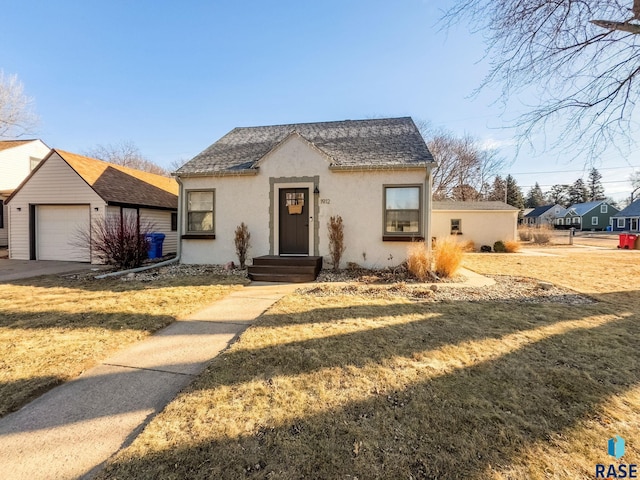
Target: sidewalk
71 430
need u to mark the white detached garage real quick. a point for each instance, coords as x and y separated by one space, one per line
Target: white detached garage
67 192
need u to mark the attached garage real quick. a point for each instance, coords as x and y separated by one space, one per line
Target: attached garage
67 194
58 232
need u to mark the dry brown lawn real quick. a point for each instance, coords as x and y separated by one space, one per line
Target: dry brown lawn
350 387
53 328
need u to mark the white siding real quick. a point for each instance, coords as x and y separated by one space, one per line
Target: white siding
15 163
55 183
483 227
356 196
161 220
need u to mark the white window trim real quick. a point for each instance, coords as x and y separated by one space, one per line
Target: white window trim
186 210
33 163
594 221
603 208
636 221
621 222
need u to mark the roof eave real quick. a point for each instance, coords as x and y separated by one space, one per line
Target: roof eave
507 210
363 168
221 173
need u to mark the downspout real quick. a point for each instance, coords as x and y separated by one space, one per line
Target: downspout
166 262
428 211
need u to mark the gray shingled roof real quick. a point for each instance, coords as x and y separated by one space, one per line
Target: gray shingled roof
451 205
386 142
536 212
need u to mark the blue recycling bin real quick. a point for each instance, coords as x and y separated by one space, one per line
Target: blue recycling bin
155 241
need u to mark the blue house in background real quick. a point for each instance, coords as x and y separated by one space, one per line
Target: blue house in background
628 219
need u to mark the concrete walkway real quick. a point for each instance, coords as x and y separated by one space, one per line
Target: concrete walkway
71 430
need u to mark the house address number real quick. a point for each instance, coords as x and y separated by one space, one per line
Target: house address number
325 201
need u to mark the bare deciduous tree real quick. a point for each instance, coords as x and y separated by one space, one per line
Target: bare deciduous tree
127 154
583 58
463 169
16 115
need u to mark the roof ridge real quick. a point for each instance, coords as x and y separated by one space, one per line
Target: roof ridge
322 123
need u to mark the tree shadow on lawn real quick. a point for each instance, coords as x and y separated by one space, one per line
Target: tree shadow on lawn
459 424
119 284
54 319
16 393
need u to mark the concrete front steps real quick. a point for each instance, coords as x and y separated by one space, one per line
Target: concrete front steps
270 268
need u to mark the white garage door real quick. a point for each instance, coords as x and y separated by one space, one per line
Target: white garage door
57 231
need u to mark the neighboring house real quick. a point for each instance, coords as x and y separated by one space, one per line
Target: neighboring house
483 223
628 219
545 215
66 192
589 216
286 181
17 159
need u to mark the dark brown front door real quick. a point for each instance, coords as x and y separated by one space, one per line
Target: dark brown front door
294 221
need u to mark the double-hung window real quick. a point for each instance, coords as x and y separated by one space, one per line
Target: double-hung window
594 220
402 211
621 222
456 226
200 211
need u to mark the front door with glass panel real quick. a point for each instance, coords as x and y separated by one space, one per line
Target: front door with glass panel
294 221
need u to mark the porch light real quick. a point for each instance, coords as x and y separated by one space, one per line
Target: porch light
316 191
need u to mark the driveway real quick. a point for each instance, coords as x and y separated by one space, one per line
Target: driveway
19 269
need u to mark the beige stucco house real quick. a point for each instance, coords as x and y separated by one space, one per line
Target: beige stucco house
66 192
483 223
286 181
17 159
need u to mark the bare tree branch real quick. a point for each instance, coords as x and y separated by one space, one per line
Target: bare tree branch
127 154
583 71
463 168
16 116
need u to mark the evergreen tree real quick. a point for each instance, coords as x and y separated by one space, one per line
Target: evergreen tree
497 190
514 193
559 194
578 192
535 197
594 185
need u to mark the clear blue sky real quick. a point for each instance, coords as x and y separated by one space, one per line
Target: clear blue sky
173 77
